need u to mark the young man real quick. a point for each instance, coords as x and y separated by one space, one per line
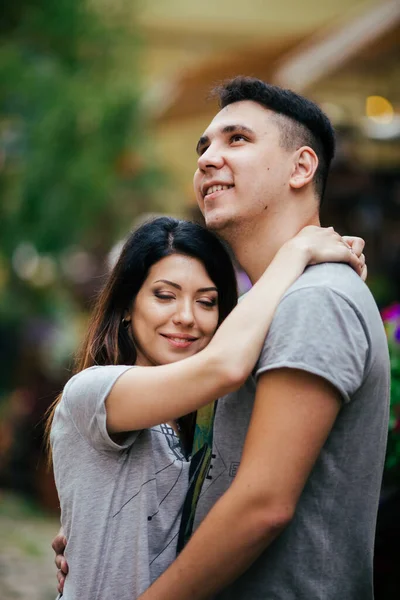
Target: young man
288 508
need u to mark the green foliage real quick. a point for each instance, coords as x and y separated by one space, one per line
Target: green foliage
72 158
75 169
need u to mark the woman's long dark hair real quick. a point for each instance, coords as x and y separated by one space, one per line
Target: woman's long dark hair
107 341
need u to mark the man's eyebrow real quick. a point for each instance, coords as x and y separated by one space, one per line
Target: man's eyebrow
178 287
238 128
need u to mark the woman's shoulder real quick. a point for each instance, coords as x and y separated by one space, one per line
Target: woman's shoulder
93 381
82 408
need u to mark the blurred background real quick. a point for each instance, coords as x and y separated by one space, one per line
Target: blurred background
101 104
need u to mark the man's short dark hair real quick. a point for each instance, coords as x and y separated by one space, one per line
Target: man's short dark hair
303 122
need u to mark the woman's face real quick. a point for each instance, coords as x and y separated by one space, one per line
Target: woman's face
175 313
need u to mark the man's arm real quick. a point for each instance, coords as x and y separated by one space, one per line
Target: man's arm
293 414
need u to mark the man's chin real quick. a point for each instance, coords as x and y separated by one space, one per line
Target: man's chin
215 222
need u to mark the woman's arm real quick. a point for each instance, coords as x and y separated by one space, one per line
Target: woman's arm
143 397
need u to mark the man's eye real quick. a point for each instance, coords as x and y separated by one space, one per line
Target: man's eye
238 137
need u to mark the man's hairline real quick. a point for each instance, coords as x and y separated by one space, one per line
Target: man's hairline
277 116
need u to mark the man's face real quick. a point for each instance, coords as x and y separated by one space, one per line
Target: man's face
242 168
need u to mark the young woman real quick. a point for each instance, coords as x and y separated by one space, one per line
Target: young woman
120 438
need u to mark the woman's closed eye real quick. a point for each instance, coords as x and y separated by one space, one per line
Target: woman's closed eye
208 302
164 296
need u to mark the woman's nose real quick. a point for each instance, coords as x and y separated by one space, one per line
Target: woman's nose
184 314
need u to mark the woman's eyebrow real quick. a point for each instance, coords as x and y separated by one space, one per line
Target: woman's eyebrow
178 287
175 285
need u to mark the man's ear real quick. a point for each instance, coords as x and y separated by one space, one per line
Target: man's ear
305 165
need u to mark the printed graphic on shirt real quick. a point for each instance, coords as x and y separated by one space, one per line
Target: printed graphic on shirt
161 494
233 469
217 468
200 467
171 458
173 441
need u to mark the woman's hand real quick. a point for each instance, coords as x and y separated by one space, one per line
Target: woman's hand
59 543
323 244
357 245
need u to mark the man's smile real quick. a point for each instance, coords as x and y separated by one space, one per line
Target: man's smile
208 190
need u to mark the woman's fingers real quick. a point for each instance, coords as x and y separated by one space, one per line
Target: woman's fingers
364 273
61 564
356 258
352 258
324 244
356 243
59 543
61 581
357 250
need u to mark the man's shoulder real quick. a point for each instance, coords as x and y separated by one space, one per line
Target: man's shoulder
335 277
334 291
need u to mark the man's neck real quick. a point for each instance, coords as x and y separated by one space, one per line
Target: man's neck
254 249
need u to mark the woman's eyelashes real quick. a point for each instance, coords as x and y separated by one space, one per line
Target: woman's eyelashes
164 296
207 302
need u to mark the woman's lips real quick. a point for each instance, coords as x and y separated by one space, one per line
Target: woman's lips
179 341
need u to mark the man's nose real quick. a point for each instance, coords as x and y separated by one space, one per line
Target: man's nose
211 158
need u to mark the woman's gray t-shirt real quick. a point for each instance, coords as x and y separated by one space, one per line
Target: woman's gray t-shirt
120 504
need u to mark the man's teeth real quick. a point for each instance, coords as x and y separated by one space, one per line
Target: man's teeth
217 188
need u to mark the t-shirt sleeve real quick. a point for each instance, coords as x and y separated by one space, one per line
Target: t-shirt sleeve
317 330
84 397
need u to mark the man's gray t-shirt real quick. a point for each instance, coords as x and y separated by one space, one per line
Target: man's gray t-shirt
327 324
120 503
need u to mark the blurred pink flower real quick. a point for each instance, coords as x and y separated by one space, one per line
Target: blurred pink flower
392 312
